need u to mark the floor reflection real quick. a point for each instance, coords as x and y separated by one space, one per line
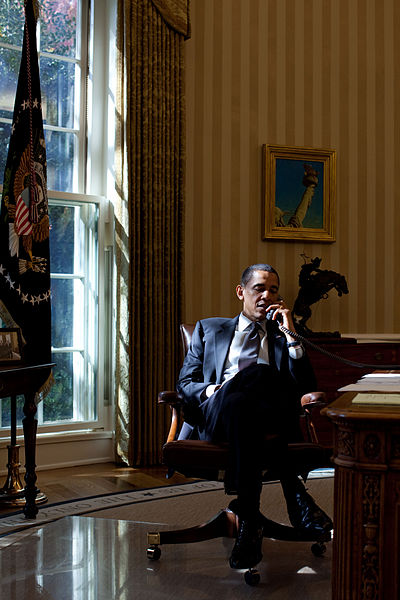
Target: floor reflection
82 558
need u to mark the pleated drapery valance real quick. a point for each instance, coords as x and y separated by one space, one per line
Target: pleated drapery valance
176 14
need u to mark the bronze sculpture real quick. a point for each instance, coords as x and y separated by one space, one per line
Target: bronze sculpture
315 284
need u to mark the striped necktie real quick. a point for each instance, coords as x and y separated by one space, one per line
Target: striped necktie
251 347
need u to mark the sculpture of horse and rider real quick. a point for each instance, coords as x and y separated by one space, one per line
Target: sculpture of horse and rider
315 284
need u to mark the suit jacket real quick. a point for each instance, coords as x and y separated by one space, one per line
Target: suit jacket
204 364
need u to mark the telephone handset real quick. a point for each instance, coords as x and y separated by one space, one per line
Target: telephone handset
270 314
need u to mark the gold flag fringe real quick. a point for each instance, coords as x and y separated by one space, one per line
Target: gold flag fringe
45 389
36 9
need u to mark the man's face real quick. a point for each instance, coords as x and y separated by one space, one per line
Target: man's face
259 293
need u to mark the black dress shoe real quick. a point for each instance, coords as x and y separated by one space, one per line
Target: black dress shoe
306 515
246 552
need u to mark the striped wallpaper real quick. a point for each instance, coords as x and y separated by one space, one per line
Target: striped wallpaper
321 73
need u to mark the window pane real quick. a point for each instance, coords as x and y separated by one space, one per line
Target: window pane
9 68
58 22
62 304
5 411
58 92
58 404
62 151
62 238
5 132
12 21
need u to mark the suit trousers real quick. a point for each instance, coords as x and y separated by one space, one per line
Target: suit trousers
256 417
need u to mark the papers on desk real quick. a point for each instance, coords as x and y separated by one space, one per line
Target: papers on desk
376 388
382 399
375 382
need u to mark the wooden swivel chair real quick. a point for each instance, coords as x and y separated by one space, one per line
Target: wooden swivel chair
207 460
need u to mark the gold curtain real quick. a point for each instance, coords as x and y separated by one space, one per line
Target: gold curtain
149 222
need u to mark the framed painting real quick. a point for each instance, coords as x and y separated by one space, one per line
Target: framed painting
10 346
299 193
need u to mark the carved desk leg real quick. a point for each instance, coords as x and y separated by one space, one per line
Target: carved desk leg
29 423
366 548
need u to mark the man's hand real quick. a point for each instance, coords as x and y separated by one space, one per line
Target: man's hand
211 389
283 315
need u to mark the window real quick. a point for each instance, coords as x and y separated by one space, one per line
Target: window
74 286
74 251
66 30
61 46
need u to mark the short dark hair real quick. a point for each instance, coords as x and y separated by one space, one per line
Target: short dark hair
248 273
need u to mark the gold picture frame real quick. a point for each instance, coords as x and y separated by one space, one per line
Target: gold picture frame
10 346
299 195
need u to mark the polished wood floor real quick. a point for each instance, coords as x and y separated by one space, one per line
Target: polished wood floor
73 483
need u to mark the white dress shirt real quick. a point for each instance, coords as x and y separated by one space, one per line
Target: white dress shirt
231 362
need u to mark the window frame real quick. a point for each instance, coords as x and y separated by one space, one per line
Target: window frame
105 364
94 170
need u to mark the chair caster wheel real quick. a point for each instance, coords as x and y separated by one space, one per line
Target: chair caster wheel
252 577
153 552
318 549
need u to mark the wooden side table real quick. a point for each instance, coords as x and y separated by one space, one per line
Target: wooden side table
26 381
366 544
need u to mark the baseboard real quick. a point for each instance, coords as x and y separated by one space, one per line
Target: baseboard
65 465
66 450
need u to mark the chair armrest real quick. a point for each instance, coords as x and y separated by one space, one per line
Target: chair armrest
174 400
169 397
312 398
318 429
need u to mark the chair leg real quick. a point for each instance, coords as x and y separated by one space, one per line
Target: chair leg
274 530
286 533
223 524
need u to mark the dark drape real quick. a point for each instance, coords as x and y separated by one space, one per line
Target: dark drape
150 171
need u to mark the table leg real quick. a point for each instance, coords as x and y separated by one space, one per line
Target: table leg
29 423
12 492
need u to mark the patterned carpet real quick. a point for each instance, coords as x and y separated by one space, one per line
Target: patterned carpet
206 498
101 553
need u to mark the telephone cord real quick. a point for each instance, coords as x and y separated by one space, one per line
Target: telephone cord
346 361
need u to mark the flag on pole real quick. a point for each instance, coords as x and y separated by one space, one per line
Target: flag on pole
24 220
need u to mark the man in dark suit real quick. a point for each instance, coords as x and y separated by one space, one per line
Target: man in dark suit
242 380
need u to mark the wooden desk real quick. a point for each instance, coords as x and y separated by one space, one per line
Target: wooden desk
332 374
26 381
366 544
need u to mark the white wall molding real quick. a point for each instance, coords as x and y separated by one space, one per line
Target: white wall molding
64 450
